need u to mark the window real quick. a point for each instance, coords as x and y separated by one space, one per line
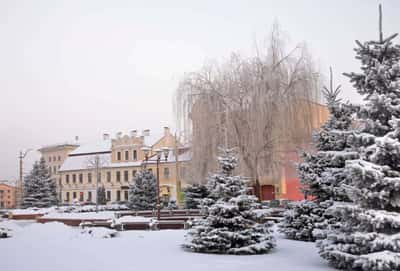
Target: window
55 170
150 170
74 195
108 195
118 176
126 194
109 176
119 156
49 158
135 155
118 195
54 158
126 155
67 179
50 170
74 178
89 177
166 173
133 173
89 195
80 178
126 175
80 196
59 158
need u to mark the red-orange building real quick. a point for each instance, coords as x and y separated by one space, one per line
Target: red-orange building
7 196
285 184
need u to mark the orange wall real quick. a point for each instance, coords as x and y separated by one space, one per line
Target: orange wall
7 196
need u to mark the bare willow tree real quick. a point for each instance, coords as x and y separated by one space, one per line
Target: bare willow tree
264 105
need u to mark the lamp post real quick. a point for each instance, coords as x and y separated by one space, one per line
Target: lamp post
20 188
159 152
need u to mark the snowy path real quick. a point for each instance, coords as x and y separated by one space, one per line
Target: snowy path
54 246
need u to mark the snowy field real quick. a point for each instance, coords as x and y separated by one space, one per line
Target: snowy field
54 246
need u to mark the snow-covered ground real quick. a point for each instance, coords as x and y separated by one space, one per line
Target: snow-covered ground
54 246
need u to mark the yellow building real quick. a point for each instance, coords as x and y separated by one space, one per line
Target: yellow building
116 161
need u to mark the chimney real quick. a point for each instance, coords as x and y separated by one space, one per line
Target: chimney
119 134
146 132
106 136
166 130
134 133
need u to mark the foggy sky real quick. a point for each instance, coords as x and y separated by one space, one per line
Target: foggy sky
83 68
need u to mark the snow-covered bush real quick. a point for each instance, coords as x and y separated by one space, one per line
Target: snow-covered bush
230 226
194 194
300 219
368 235
5 233
39 188
99 232
143 191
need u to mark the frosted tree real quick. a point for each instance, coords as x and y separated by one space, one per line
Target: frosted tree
231 226
194 194
143 191
368 238
40 189
101 195
322 172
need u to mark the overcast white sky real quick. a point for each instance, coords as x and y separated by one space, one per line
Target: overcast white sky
86 67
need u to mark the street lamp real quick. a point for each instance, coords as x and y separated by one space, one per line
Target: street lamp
20 187
159 152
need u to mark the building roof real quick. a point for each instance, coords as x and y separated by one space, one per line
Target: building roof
7 183
59 146
85 162
98 147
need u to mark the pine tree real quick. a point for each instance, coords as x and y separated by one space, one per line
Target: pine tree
368 238
322 173
143 191
101 195
194 194
40 189
230 226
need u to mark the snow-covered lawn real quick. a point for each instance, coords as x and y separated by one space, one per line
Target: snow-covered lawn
54 246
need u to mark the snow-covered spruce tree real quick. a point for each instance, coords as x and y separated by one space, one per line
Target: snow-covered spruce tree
369 236
143 191
230 226
322 173
194 194
40 189
101 195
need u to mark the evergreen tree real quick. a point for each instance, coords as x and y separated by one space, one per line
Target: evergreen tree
368 238
323 173
230 226
194 194
40 189
101 195
172 205
143 191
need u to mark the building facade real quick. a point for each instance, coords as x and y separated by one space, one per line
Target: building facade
113 163
7 196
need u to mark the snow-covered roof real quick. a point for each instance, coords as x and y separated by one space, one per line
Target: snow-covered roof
186 156
82 162
100 146
58 146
